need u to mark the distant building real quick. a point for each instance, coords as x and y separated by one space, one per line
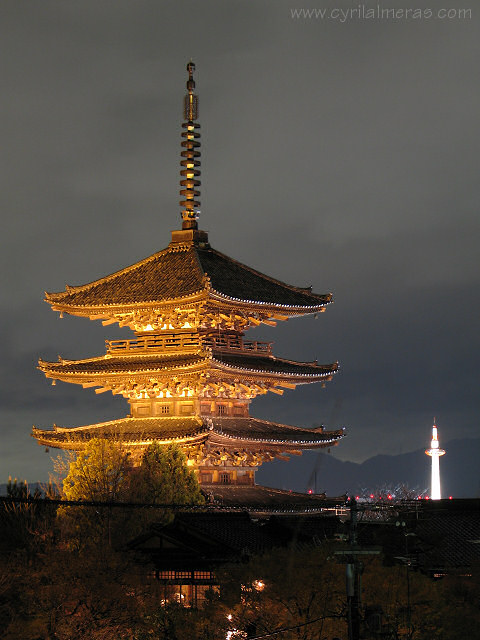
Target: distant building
434 452
189 374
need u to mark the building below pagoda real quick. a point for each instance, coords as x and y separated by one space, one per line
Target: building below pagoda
189 374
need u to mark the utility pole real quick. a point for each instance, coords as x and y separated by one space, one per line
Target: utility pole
353 572
353 578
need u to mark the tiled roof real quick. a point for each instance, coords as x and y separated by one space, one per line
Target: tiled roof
179 271
118 364
172 427
274 365
209 540
138 363
255 429
266 497
236 280
165 275
233 530
128 430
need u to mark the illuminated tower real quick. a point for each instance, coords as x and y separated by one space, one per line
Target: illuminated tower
434 452
189 375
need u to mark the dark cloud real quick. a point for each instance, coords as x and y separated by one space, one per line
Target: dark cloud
338 155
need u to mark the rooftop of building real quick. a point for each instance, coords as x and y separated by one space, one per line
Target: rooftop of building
183 270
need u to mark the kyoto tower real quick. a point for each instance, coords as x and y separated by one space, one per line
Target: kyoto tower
434 452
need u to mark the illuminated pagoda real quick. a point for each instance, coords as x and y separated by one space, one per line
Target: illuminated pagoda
189 375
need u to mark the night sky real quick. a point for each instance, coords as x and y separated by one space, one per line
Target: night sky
337 154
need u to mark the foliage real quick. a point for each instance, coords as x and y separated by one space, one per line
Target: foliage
286 589
99 473
68 595
103 473
164 477
23 524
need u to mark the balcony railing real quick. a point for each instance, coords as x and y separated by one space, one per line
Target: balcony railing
186 342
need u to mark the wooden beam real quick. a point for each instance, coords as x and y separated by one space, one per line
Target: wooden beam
105 323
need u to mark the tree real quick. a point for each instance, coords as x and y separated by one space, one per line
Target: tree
99 473
164 477
103 472
300 592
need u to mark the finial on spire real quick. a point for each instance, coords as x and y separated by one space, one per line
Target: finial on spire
189 155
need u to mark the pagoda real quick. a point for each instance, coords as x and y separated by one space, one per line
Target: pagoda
189 375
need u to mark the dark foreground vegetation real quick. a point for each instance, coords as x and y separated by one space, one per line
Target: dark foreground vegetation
66 572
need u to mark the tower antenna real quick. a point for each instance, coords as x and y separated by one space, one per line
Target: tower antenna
435 452
190 154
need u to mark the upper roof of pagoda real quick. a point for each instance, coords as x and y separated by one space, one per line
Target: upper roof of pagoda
188 272
184 272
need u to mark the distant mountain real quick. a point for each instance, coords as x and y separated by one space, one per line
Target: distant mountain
459 468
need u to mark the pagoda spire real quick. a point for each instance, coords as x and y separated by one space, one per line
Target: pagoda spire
190 155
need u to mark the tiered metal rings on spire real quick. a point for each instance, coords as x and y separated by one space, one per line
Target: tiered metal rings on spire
190 153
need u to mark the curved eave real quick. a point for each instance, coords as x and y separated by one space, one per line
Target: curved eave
46 439
107 366
329 439
315 372
104 311
193 430
266 307
126 431
61 371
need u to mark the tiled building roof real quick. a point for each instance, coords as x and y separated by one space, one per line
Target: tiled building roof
119 364
180 271
149 363
236 280
244 431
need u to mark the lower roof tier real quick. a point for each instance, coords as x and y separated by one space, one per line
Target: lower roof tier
248 433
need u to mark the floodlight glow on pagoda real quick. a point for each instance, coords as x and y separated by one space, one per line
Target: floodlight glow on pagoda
189 375
435 452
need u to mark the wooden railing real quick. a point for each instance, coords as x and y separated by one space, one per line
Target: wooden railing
185 342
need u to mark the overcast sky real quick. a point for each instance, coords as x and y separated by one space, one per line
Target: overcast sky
337 153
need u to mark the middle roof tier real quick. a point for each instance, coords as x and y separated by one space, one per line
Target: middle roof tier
205 372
